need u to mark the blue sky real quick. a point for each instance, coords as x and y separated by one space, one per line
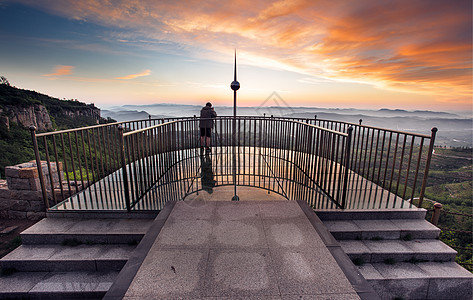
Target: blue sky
363 54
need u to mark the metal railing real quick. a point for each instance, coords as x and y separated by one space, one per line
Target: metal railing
145 163
163 160
397 161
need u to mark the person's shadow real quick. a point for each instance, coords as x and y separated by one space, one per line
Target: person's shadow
207 175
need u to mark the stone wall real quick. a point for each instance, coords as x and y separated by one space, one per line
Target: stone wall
20 193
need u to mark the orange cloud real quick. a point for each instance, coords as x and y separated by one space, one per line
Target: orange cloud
61 71
133 76
421 46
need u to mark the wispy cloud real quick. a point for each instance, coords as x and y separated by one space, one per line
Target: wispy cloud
60 71
422 46
133 76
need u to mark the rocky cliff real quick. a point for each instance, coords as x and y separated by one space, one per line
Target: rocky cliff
26 108
36 115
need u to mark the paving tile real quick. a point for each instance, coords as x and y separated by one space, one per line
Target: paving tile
389 249
75 282
431 250
378 228
237 273
356 250
237 210
416 229
170 274
280 210
21 282
448 280
345 296
52 225
309 272
369 272
238 234
193 210
343 230
132 225
257 297
404 280
185 233
93 226
32 252
294 233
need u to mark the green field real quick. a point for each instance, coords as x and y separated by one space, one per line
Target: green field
450 183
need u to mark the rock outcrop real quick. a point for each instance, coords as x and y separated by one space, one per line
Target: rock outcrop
36 115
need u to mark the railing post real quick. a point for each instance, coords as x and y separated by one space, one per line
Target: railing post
40 169
436 213
359 121
125 175
347 164
427 166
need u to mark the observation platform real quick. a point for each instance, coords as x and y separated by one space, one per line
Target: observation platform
211 249
264 168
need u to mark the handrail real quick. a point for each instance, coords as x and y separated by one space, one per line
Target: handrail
125 161
374 127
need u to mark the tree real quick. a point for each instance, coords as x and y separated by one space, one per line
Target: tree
4 80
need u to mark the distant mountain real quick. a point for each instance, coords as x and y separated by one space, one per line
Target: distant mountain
454 130
125 115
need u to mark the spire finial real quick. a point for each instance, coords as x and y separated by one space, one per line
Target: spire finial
235 84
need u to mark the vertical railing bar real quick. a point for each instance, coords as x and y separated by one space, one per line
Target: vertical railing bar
386 168
408 170
39 167
347 159
393 168
401 162
111 167
66 169
59 177
80 166
73 167
427 165
417 169
92 167
96 134
86 166
121 141
379 168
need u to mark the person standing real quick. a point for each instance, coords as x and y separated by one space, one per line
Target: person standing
207 114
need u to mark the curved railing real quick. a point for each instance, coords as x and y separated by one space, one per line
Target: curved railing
143 164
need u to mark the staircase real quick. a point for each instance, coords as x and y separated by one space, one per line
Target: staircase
63 258
399 254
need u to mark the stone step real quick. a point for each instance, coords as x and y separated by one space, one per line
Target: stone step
428 280
59 258
392 251
87 231
370 214
385 229
56 285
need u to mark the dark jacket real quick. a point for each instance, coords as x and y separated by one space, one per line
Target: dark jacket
206 115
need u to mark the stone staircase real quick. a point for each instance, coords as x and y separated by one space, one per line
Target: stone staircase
64 258
399 254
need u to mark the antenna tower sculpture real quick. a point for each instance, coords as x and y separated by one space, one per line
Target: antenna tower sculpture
235 85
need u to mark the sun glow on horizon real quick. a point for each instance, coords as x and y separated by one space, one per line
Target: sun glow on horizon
401 54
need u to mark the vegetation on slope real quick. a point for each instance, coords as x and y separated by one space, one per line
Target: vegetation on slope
450 183
15 142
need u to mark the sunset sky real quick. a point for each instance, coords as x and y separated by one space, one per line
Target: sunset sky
363 53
